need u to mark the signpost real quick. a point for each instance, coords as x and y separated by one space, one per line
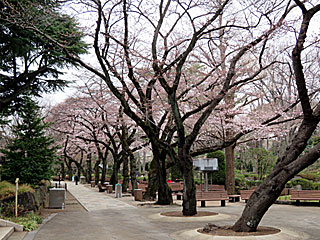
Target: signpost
16 203
205 165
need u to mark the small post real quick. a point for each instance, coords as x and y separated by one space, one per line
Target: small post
59 179
16 203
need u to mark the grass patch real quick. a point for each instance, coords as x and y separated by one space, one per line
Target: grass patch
284 198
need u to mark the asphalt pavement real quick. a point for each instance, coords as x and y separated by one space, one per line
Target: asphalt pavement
108 218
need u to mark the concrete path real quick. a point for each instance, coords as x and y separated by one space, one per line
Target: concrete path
93 200
111 218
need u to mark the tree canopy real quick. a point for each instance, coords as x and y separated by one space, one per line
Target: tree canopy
29 62
30 154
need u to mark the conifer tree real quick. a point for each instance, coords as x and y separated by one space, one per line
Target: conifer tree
29 63
30 154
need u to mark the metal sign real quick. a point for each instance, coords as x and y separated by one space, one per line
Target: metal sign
206 164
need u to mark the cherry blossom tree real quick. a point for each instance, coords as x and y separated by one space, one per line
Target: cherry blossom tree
173 52
142 53
292 161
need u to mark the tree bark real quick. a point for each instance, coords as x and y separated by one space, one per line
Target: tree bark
291 162
89 168
133 170
63 171
114 176
151 191
125 174
268 192
230 176
189 204
104 167
158 166
96 172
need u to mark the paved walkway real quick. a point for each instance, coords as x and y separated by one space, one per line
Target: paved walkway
93 200
111 218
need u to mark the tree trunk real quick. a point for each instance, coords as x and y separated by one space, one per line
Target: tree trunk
157 177
292 162
189 204
63 171
125 174
133 170
268 192
89 168
287 166
104 168
164 192
114 176
96 172
230 176
151 191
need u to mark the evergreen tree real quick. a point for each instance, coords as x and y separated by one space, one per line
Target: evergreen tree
29 62
31 153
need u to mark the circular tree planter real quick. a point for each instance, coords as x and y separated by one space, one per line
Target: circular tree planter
179 214
213 230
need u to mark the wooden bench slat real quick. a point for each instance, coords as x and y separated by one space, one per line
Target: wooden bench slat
212 196
305 195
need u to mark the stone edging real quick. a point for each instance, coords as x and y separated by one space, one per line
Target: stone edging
6 223
31 235
285 234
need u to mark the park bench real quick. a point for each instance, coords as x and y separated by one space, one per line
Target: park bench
211 187
234 198
305 195
176 187
102 187
212 196
245 194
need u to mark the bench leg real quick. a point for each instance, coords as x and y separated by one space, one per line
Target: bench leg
179 197
203 203
298 202
223 203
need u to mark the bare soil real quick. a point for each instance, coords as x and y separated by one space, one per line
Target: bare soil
214 230
179 214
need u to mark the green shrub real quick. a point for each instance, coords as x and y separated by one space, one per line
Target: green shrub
310 176
29 222
8 189
175 173
316 186
289 184
253 183
25 188
240 182
305 184
253 176
198 181
218 177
